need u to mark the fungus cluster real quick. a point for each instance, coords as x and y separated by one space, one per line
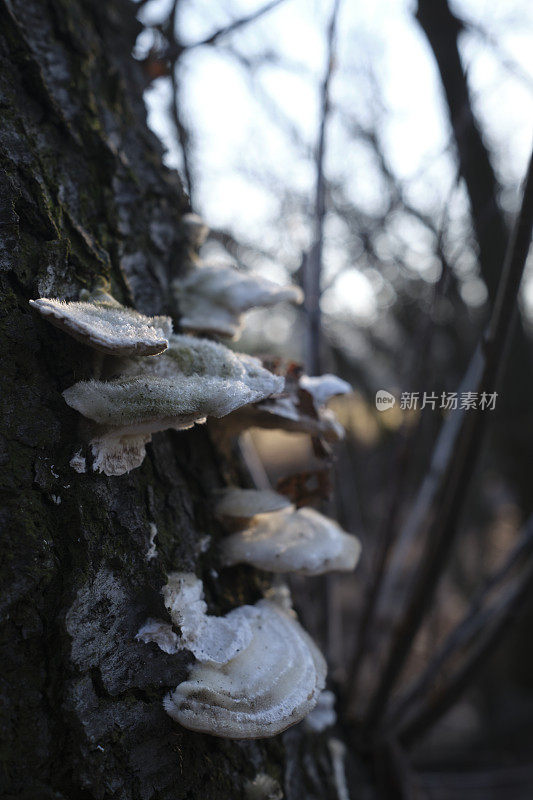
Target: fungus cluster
300 408
189 380
213 298
256 671
279 538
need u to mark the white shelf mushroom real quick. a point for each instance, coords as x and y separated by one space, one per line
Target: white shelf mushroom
267 687
214 298
215 640
193 379
301 409
105 325
237 507
303 541
323 714
257 672
323 387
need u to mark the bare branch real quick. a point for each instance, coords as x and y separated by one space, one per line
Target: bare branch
494 629
474 621
457 480
235 25
313 261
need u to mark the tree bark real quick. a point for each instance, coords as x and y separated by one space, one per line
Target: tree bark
84 196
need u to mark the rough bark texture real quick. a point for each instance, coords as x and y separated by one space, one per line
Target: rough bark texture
84 195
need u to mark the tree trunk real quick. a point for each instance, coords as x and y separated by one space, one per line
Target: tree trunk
84 196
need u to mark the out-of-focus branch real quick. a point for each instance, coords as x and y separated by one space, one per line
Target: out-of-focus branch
235 25
237 249
494 627
468 444
182 132
507 62
174 51
442 29
478 615
313 261
388 533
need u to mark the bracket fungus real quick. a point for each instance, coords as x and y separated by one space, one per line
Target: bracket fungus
105 325
270 685
193 379
257 671
323 714
237 507
214 298
213 640
302 541
323 387
299 409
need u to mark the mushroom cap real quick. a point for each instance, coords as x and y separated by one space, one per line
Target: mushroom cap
303 541
247 503
323 387
194 379
280 413
301 409
213 298
264 689
107 326
211 639
323 714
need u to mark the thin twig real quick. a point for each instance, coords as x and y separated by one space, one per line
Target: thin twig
474 620
388 538
441 460
313 262
175 50
450 691
182 133
235 25
468 445
507 62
